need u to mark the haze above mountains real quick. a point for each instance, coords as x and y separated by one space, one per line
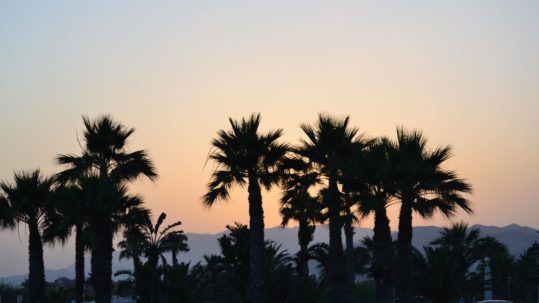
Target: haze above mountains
517 238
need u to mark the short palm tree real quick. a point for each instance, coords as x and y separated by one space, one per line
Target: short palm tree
153 242
440 275
244 156
526 273
501 264
424 187
461 239
328 148
27 201
461 242
104 154
298 204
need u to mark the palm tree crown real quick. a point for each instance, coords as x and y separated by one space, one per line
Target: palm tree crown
27 197
420 179
297 203
242 153
154 240
104 154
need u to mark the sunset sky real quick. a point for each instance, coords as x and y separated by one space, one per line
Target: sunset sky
465 72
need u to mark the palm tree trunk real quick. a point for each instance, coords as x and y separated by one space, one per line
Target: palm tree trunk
36 273
79 264
174 257
403 266
304 237
152 263
257 277
102 260
137 273
337 268
350 260
382 257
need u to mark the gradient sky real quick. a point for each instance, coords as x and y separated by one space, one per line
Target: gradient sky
465 72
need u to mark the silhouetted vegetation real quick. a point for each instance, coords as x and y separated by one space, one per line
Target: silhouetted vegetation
335 174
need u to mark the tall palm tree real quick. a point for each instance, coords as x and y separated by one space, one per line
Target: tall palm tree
74 204
376 193
27 201
104 154
154 241
246 157
328 148
424 187
298 204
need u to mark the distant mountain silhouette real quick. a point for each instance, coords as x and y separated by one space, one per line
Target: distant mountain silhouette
517 238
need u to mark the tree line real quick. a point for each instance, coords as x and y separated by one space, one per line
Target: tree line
335 175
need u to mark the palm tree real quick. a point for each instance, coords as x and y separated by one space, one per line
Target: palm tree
299 205
501 264
231 285
246 157
461 239
461 242
328 148
376 194
74 205
424 187
154 242
28 201
526 274
234 258
104 154
440 275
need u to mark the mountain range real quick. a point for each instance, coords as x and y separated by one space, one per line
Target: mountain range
517 238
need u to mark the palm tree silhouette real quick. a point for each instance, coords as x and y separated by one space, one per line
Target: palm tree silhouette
153 242
353 181
74 206
350 218
328 148
104 154
130 246
459 238
28 201
424 187
501 263
246 157
376 192
298 204
440 275
461 242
